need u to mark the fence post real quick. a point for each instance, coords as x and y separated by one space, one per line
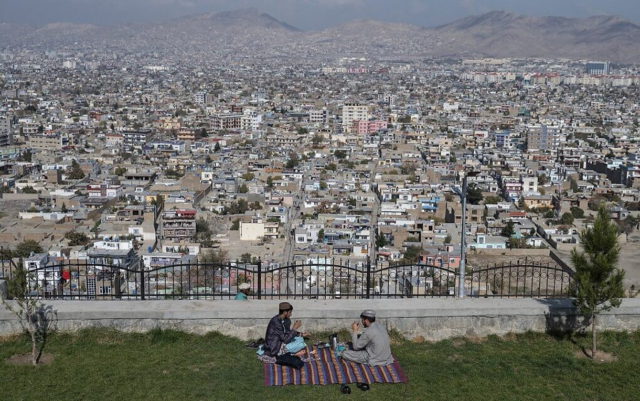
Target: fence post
368 277
259 278
141 268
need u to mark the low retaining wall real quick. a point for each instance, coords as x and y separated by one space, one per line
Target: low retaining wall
431 319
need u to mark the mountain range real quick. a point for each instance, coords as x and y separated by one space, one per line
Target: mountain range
253 34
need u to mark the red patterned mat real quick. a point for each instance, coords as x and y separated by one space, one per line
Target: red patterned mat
327 369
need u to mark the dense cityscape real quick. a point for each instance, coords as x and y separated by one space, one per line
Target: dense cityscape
109 160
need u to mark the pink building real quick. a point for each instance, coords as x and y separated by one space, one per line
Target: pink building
362 127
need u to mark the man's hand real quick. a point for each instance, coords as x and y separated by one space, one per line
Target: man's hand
296 325
305 334
355 326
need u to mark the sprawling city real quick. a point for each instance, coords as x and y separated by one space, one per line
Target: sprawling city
361 162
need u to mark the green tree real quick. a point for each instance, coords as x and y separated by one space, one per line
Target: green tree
340 154
567 219
321 235
597 283
243 189
474 194
577 212
25 248
381 241
508 230
29 190
75 171
119 171
447 239
248 176
245 258
235 226
75 238
317 139
216 148
323 185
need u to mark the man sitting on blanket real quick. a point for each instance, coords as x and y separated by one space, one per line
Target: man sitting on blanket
371 345
280 332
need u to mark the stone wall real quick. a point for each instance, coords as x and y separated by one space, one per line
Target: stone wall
432 319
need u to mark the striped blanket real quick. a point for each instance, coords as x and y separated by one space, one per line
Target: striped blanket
324 368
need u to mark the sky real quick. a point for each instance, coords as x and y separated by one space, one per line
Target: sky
304 14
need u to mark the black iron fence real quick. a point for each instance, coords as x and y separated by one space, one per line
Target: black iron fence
342 279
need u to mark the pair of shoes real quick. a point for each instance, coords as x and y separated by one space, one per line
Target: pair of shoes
255 344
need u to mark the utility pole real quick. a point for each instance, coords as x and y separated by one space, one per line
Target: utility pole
461 277
463 246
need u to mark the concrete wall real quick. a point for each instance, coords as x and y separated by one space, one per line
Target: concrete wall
518 252
432 319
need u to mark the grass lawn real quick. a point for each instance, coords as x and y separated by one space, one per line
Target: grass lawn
168 365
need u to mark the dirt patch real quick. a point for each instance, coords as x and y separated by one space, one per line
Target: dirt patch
458 342
601 356
10 339
476 340
455 357
25 359
418 339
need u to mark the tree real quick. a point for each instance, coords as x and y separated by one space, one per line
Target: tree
75 171
573 185
243 189
447 239
34 318
248 176
317 139
323 185
567 219
75 238
340 154
474 194
381 241
214 257
235 226
293 161
63 208
245 258
597 283
216 148
321 235
25 248
577 212
29 190
508 231
119 171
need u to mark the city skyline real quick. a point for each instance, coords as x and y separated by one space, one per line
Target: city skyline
305 15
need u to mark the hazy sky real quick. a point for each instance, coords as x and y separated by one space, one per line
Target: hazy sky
305 14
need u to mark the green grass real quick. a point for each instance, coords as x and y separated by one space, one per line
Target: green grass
169 365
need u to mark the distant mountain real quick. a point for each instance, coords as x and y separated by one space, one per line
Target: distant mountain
250 33
503 34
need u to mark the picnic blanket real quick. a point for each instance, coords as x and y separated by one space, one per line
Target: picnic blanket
324 368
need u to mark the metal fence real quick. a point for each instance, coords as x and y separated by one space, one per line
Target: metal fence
343 279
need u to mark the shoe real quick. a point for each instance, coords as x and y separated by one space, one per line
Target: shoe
344 389
363 386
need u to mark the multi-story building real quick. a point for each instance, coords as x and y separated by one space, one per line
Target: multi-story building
200 98
352 112
362 127
178 225
598 67
543 138
136 139
5 131
226 121
55 141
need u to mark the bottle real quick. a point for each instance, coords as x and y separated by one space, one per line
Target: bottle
333 340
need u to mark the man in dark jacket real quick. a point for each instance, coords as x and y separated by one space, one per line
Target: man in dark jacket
279 331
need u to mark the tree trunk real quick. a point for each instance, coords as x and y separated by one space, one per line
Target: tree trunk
593 336
34 349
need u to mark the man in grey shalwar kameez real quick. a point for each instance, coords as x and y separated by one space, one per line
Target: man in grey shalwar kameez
371 345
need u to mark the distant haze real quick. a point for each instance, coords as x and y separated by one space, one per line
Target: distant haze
304 14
